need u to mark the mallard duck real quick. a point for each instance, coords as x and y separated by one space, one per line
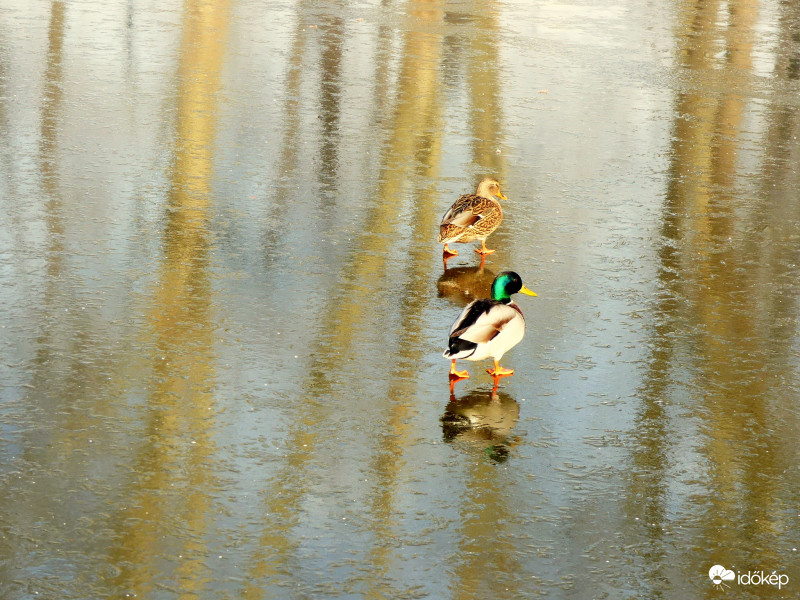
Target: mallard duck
488 328
472 217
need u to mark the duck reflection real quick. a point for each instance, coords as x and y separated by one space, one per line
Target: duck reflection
482 420
462 285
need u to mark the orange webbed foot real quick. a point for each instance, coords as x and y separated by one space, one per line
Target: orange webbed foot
483 250
457 375
447 253
499 371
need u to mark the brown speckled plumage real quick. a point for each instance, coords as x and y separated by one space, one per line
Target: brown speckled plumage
473 216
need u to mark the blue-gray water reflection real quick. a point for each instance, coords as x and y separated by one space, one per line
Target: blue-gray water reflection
224 305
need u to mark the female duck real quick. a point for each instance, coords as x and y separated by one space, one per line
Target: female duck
488 328
472 217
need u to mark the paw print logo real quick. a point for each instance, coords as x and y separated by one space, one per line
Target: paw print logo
719 575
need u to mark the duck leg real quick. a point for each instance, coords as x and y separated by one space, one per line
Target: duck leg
499 371
447 253
457 374
483 250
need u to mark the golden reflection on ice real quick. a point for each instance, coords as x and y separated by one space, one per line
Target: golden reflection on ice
711 284
174 474
412 153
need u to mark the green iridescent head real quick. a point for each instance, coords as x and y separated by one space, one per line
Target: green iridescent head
506 284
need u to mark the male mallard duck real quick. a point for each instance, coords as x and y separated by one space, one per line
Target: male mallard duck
489 328
472 217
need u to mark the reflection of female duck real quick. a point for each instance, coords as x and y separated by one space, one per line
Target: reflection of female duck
482 420
472 217
488 328
462 285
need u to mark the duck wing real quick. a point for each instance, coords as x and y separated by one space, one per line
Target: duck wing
479 323
482 320
467 210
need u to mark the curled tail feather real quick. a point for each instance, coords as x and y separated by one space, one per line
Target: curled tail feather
459 348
